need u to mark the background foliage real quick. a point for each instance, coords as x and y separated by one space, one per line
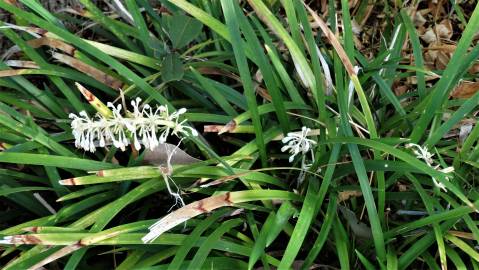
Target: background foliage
368 78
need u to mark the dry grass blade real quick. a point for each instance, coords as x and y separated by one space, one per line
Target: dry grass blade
209 204
56 255
21 64
52 43
187 212
229 127
334 41
93 72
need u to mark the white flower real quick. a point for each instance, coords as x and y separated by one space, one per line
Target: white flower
424 154
296 143
140 127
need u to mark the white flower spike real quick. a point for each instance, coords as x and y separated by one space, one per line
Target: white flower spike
296 143
141 127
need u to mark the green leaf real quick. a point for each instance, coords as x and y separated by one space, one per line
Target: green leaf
55 161
172 68
202 253
182 29
240 57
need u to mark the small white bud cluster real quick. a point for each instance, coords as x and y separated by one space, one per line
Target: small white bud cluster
424 154
296 143
143 126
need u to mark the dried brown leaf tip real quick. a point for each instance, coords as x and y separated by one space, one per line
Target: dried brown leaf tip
94 101
228 127
26 239
53 43
185 213
334 41
33 229
465 89
464 235
68 182
21 64
220 129
87 94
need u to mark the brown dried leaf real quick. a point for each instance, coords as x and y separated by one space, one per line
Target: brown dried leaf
346 195
474 69
228 127
93 72
438 55
400 90
442 60
53 43
444 29
429 36
419 19
465 89
445 48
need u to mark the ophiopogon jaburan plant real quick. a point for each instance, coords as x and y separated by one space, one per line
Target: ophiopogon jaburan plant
232 134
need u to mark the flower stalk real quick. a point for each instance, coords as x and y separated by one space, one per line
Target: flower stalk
145 126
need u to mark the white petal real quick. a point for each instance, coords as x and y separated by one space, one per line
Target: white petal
182 111
137 143
102 141
286 139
